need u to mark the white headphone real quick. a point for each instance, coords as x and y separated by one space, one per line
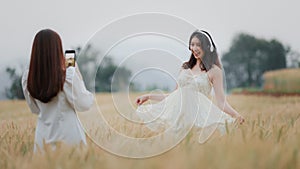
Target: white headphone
209 39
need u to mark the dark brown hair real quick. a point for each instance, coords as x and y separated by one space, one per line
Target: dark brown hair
47 73
210 56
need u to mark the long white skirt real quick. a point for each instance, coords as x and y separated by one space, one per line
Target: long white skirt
182 110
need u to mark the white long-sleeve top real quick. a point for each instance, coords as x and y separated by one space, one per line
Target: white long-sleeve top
57 120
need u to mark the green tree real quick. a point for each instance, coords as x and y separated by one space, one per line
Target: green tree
276 55
87 62
15 90
249 57
102 76
293 59
110 78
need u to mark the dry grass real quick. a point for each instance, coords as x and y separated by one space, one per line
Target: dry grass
270 138
285 80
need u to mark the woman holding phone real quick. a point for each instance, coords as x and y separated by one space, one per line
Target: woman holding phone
54 91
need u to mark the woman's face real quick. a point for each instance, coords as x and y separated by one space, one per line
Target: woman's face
196 48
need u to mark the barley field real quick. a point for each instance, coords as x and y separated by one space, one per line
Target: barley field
284 81
269 139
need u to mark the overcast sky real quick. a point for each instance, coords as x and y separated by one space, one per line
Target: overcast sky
78 21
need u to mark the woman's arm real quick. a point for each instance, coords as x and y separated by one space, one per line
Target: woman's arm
77 94
216 77
30 100
157 97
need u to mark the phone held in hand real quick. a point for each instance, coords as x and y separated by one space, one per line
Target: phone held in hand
70 56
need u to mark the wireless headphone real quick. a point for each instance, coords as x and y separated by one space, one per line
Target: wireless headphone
212 44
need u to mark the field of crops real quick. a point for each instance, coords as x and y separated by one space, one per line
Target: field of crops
283 81
269 139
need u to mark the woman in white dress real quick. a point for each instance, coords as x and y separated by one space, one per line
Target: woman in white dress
54 92
190 102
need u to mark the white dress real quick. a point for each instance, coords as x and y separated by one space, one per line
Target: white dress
57 120
188 106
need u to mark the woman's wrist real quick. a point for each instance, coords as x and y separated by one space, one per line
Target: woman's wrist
236 115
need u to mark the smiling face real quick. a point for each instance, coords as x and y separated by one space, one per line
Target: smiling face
195 47
204 50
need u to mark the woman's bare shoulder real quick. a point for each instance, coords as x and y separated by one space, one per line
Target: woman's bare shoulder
215 72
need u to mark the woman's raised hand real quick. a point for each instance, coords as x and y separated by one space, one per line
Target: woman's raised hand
140 100
240 119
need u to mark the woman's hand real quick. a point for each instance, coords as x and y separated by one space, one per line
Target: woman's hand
240 119
140 100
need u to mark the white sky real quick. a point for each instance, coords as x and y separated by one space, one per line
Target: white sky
77 21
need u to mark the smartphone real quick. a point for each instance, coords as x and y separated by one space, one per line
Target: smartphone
70 56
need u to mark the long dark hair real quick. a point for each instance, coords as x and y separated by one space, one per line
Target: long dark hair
47 73
210 56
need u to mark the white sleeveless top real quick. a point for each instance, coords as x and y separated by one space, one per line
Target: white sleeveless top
199 82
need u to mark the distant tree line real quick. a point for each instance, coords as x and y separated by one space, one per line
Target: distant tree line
15 90
244 64
101 74
249 57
